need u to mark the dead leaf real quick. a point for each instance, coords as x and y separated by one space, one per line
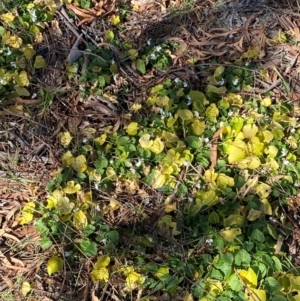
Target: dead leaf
17 261
12 237
88 15
75 54
7 281
214 150
94 297
117 125
272 180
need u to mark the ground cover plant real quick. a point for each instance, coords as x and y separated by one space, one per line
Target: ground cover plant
186 191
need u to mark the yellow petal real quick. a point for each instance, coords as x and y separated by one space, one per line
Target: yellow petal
72 187
161 272
266 102
249 277
65 138
133 280
145 141
26 288
80 164
55 264
237 151
103 261
158 180
250 130
157 146
79 220
100 274
212 112
132 129
7 18
263 190
101 140
231 233
198 127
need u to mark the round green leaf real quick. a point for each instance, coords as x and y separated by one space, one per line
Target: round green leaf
140 66
214 217
234 283
272 285
113 235
45 242
193 142
242 257
257 236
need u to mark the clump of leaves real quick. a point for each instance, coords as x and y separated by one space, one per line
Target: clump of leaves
20 28
230 161
236 156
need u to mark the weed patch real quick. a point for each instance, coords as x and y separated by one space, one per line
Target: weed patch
185 192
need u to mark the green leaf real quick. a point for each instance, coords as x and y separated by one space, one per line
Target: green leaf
85 3
89 229
182 190
123 140
271 285
100 164
101 81
214 217
21 91
114 69
248 245
227 258
198 289
89 248
234 283
21 62
262 269
140 66
218 243
224 264
185 114
242 257
278 298
210 89
2 31
267 260
216 274
45 242
257 236
194 142
41 227
272 231
277 264
113 235
133 53
110 36
173 283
